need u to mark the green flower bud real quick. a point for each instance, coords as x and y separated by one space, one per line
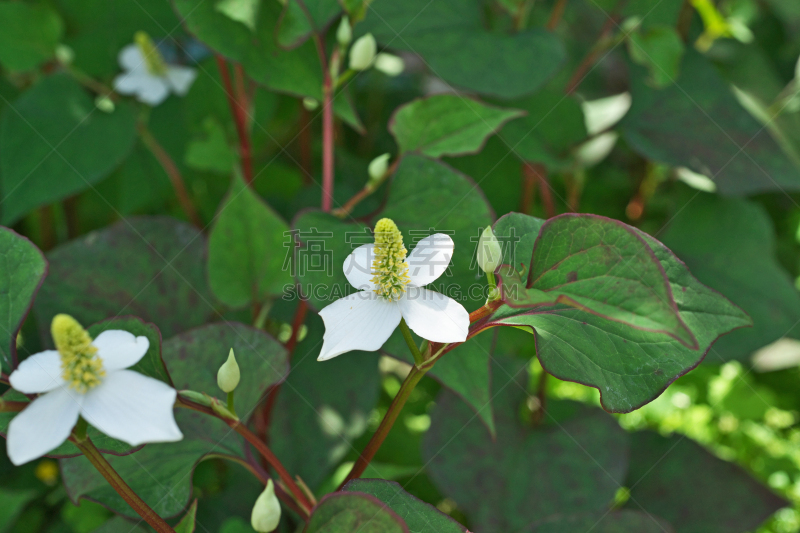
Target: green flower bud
489 251
377 167
64 54
362 54
344 34
104 104
389 64
228 375
267 511
310 103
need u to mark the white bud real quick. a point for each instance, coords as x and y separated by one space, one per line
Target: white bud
344 34
362 54
389 64
378 166
228 375
64 54
489 251
267 511
104 104
310 103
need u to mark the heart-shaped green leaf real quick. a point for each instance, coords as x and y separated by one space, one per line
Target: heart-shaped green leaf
600 266
451 37
353 512
573 462
44 139
150 267
697 492
246 250
629 367
30 34
447 124
420 517
22 270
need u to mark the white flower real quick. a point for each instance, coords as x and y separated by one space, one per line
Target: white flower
391 289
147 76
88 378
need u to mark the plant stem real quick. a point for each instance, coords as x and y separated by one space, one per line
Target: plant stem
327 143
12 407
231 403
556 14
173 173
70 206
386 424
368 189
238 104
259 445
410 341
94 456
537 172
588 61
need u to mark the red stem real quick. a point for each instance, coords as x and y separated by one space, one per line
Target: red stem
588 61
537 172
239 105
555 15
327 144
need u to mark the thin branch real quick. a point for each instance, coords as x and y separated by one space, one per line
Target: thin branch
556 14
538 173
97 459
237 100
173 173
594 54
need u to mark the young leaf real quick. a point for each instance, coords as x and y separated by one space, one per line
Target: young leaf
22 270
43 140
187 523
600 266
454 42
246 249
150 267
630 367
353 512
420 517
447 124
697 492
573 462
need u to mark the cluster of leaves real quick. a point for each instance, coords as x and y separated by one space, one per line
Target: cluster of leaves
496 112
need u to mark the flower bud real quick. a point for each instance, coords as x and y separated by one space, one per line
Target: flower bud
228 375
267 511
64 54
310 103
344 34
104 104
389 64
362 54
489 251
378 166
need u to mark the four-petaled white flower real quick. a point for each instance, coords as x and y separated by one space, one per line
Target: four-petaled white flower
391 288
88 378
148 76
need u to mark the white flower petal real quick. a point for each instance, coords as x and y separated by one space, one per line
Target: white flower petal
358 267
129 82
43 425
152 90
131 58
180 78
41 372
434 316
120 349
361 321
133 408
429 258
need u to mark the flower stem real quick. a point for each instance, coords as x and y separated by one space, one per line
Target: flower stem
259 445
94 456
327 143
418 359
173 173
231 407
238 104
386 424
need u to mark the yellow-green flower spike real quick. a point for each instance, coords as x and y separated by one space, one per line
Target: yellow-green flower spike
152 58
81 368
389 268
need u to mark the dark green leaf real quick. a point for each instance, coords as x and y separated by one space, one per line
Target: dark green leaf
730 245
574 462
22 270
614 522
660 49
697 123
697 492
151 364
452 39
353 513
295 27
420 517
149 267
447 125
246 249
600 266
322 407
14 500
30 35
629 367
44 137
